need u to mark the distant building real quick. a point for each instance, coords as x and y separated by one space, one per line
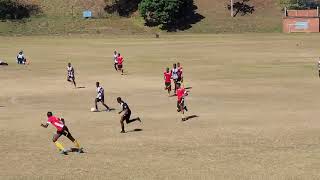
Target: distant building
301 21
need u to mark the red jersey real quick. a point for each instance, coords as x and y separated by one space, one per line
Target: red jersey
56 122
167 76
180 93
120 60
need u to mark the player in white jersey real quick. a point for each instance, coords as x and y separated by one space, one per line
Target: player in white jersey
100 97
115 58
70 75
175 76
20 58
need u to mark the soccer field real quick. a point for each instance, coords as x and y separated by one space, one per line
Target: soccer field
255 95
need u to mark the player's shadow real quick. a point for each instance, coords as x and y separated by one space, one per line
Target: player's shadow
81 87
2 106
188 87
135 130
173 95
191 117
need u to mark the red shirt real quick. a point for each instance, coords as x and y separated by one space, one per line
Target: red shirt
120 60
180 93
167 77
56 122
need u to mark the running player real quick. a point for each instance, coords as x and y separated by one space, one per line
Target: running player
174 73
70 75
115 58
181 94
100 97
120 63
167 80
126 114
180 73
62 129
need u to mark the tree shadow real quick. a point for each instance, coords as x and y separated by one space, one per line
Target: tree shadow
186 20
124 8
242 7
191 117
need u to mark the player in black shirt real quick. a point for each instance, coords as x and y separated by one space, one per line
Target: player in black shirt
126 114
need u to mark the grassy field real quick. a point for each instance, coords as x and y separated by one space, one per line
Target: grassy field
256 97
64 17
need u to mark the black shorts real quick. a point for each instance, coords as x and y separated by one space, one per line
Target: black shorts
64 131
126 117
120 66
69 78
168 85
100 100
180 104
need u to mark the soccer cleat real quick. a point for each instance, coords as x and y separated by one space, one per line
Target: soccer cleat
122 132
178 110
138 119
184 119
64 152
108 110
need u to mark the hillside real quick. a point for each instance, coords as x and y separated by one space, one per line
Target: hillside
64 17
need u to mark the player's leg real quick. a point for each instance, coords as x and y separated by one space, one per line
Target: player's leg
116 66
182 110
169 88
71 138
128 120
58 144
74 82
104 104
96 100
122 124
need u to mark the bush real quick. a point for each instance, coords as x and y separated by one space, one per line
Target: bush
300 4
17 9
166 12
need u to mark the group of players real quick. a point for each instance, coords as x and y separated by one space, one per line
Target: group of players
176 75
59 123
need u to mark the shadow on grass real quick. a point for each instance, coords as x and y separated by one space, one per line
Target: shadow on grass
135 130
191 117
81 87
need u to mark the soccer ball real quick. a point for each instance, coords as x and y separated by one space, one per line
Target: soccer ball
93 110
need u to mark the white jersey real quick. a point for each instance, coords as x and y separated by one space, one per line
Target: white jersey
115 58
319 65
100 92
70 71
174 72
20 56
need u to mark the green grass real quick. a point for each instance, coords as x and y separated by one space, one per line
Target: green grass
64 17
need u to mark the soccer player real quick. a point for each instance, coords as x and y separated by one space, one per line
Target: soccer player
120 63
115 58
181 94
180 73
100 97
167 80
126 114
20 58
70 75
174 73
62 129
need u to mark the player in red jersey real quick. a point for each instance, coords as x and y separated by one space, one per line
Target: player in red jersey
180 72
167 80
62 129
181 94
120 63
